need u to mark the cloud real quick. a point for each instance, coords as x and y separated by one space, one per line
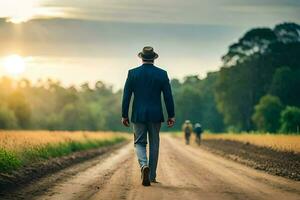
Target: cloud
86 38
21 11
88 49
204 12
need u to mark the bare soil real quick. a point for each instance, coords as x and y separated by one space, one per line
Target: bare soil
286 164
184 172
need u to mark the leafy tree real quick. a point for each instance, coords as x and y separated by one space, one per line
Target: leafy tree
286 85
287 32
6 87
7 118
234 94
211 119
195 100
267 114
188 105
22 111
254 41
241 84
53 122
290 120
71 117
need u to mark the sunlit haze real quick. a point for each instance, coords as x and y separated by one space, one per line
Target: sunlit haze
14 64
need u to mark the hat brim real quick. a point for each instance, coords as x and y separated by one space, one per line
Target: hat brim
142 56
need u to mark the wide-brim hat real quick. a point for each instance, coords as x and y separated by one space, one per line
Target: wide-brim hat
148 54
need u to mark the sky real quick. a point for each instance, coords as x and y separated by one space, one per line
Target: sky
75 41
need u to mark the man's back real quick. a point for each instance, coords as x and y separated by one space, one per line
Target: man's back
147 82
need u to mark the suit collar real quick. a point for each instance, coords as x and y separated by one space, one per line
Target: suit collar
147 64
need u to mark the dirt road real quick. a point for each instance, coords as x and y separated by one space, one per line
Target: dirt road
184 172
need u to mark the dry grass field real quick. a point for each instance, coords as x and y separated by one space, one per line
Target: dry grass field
276 142
17 141
18 148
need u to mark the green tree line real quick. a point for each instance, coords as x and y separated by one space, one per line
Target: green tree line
49 105
256 89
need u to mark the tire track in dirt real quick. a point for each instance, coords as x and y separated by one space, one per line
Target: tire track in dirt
86 183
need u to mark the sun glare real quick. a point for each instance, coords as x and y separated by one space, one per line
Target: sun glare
19 11
14 64
18 20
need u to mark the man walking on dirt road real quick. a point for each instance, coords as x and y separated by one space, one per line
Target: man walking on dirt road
147 82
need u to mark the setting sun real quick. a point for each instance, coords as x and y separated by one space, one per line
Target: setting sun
14 64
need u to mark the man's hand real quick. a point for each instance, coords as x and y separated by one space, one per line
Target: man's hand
125 122
171 122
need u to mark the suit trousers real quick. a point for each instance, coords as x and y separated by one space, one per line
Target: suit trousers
141 132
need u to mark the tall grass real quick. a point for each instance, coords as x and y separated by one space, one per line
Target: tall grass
9 161
20 148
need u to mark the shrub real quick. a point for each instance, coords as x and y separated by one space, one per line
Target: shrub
267 114
290 120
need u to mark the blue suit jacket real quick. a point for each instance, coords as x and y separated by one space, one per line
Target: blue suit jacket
147 82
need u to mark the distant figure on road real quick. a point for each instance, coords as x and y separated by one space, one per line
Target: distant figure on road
198 132
187 128
147 82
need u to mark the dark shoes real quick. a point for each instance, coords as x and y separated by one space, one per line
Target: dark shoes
145 176
154 181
